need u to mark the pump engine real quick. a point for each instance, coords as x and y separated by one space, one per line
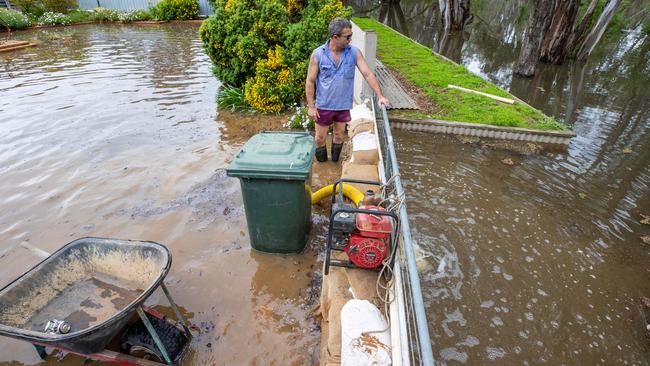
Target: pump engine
363 236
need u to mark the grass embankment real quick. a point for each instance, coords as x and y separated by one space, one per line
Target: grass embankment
432 74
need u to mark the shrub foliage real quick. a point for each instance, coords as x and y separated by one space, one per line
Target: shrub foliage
59 6
176 10
38 7
51 18
33 7
265 45
13 19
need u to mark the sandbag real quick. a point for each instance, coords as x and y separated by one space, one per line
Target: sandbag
360 127
365 335
361 172
362 120
364 149
361 111
334 295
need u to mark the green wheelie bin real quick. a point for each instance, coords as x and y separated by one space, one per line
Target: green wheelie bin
274 169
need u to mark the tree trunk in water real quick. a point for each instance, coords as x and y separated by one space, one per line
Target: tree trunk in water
455 13
575 89
572 43
451 44
554 44
597 31
538 23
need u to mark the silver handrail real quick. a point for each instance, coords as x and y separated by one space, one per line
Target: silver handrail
426 353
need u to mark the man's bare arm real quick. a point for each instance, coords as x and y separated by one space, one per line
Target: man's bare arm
310 86
371 79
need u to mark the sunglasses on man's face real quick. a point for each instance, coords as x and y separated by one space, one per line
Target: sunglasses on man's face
348 37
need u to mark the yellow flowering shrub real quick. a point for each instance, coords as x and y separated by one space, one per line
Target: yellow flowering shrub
272 87
176 10
294 7
239 34
264 46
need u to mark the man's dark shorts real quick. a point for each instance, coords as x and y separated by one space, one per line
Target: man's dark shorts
326 117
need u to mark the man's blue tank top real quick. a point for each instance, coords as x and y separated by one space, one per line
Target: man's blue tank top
335 84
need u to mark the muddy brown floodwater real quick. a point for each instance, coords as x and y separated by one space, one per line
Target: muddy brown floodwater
113 131
533 259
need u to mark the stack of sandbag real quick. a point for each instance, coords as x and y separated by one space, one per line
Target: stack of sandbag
364 151
362 120
340 286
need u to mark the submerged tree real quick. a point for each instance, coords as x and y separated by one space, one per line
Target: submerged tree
552 36
390 13
455 13
597 31
538 24
553 49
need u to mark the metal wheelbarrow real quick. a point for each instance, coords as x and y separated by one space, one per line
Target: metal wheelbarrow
84 298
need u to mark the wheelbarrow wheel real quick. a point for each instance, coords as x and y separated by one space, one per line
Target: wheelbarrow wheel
146 353
138 342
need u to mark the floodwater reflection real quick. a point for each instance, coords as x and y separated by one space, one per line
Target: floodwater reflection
540 261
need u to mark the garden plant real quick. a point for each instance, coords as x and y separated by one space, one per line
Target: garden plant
262 48
65 12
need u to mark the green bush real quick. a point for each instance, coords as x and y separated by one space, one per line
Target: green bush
176 10
51 18
32 7
78 16
163 11
104 15
14 19
232 98
239 34
265 46
59 6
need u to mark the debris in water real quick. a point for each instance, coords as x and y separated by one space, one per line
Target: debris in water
441 265
582 195
627 150
645 301
645 239
645 219
508 161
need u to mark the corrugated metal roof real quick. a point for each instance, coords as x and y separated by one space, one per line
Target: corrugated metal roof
392 89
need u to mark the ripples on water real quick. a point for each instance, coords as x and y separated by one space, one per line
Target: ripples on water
535 262
539 262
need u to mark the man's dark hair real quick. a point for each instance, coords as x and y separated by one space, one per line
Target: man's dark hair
337 25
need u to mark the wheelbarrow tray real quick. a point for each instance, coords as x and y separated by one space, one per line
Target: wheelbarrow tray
94 284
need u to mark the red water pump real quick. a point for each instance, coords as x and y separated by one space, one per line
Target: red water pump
366 233
368 244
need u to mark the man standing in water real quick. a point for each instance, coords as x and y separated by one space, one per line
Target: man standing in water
331 78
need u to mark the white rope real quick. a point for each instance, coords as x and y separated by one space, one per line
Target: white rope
386 272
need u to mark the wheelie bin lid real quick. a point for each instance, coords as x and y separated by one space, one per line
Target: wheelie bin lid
274 155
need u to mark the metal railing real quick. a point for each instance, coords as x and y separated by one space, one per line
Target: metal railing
419 342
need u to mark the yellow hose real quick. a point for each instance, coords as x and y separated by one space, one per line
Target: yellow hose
348 191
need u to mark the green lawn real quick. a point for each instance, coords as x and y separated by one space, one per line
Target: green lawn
432 74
